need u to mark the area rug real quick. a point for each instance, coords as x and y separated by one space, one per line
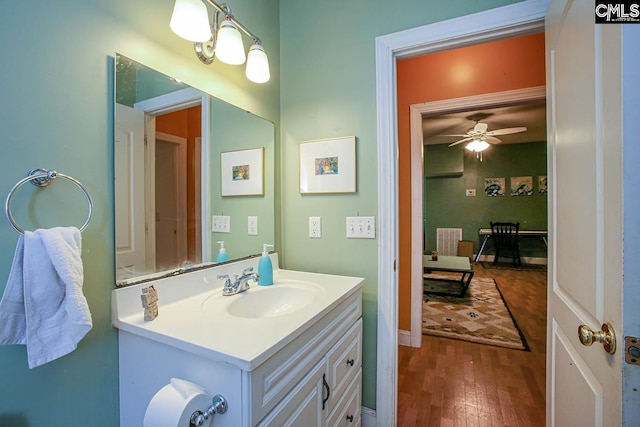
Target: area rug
481 316
509 266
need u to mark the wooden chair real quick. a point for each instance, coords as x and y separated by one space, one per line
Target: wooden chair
505 239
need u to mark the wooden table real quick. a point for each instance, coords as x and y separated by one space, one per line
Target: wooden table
449 264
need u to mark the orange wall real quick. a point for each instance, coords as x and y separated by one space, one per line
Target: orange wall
491 67
186 124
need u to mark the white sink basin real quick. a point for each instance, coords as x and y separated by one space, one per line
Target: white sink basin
248 328
281 298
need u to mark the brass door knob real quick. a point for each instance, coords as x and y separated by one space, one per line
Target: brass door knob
606 337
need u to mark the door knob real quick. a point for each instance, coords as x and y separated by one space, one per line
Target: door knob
606 337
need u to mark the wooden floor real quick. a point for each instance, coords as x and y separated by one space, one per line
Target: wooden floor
454 383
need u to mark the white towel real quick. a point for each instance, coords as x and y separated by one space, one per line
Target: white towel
43 305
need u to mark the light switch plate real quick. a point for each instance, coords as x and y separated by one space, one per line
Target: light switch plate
470 192
252 225
220 224
315 227
361 227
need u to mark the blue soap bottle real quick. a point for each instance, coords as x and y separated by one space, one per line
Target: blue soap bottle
265 267
222 255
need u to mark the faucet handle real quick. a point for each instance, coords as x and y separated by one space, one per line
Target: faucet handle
226 278
247 271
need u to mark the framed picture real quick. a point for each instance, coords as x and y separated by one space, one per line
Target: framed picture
521 186
542 185
242 172
328 165
494 187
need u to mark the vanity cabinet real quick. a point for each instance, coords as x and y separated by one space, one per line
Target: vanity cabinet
311 377
329 394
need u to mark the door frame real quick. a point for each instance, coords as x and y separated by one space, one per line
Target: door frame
522 18
417 111
179 100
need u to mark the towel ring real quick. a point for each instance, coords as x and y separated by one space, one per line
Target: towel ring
42 178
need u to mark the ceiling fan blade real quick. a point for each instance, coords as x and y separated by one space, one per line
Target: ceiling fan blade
456 134
480 127
506 131
459 142
492 140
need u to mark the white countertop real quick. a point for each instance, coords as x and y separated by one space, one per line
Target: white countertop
192 314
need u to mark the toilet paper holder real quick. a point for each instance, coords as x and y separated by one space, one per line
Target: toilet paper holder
218 406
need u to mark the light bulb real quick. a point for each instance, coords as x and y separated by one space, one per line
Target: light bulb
257 65
190 20
229 46
477 145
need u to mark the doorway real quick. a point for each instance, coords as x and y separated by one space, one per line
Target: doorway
178 124
509 21
523 106
172 212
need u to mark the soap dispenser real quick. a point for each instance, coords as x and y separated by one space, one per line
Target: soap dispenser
222 255
265 267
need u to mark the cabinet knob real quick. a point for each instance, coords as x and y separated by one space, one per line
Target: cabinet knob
350 418
350 362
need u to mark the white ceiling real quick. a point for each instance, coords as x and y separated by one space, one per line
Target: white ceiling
532 115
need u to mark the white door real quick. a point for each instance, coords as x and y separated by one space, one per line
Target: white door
129 192
585 215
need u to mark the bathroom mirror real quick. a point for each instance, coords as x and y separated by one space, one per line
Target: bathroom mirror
175 150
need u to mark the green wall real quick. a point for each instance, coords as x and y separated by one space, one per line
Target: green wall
328 90
447 206
56 112
234 129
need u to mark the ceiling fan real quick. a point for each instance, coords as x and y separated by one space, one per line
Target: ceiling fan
479 133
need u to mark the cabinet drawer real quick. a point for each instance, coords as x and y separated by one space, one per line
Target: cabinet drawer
348 411
275 378
344 361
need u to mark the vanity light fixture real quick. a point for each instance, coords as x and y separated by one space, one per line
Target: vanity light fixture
222 38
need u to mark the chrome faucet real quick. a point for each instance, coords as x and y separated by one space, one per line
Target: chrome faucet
240 284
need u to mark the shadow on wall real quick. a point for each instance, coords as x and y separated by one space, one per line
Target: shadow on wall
14 420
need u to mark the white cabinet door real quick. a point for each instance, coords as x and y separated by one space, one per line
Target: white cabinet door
302 407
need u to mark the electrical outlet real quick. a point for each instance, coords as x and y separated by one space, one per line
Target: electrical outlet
252 225
220 224
315 227
361 227
470 192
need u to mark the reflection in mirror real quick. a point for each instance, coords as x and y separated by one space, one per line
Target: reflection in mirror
169 138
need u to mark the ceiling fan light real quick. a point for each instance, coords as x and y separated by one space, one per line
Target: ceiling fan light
190 20
477 145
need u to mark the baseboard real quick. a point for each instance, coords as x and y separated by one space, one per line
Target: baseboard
525 260
368 417
404 338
